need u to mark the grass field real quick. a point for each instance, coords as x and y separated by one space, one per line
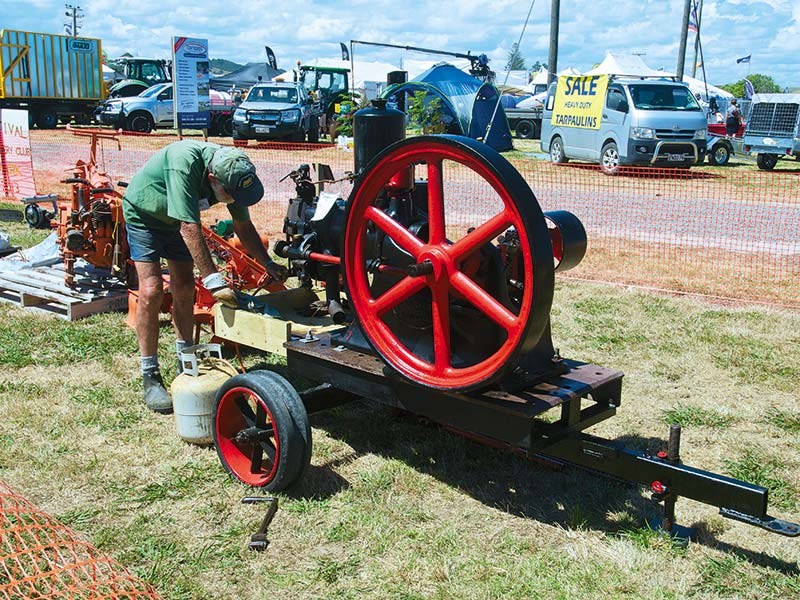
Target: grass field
394 508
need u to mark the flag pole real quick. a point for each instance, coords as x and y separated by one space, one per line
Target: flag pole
699 16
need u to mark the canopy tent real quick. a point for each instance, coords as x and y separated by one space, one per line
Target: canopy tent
469 103
245 77
697 86
109 74
630 65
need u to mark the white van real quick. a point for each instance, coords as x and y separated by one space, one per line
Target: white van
644 122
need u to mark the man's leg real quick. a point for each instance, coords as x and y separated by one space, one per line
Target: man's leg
181 284
151 293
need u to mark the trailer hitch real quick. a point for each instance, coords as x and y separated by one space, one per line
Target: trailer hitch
772 524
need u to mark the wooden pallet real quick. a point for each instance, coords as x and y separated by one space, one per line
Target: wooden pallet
43 289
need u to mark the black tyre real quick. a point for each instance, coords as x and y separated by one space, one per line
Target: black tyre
609 159
313 131
261 430
46 120
226 126
557 154
525 129
767 162
719 155
140 122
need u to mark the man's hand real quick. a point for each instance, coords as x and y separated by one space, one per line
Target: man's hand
227 296
277 271
216 284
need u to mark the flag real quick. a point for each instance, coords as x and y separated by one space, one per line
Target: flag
749 90
744 59
271 60
692 26
345 53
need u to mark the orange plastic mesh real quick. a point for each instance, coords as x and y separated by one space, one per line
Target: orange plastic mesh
41 558
724 234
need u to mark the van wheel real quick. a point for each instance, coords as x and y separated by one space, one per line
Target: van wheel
767 162
719 155
525 129
140 122
609 159
557 155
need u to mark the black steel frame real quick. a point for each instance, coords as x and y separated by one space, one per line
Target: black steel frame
585 394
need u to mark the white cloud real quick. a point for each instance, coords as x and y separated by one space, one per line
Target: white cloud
767 29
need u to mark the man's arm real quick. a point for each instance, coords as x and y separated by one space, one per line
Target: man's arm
247 234
192 235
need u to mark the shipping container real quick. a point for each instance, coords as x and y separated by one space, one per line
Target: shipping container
51 76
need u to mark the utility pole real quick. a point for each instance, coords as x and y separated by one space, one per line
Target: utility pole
552 59
75 13
684 35
699 16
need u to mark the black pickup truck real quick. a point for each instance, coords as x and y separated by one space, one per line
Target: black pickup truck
276 110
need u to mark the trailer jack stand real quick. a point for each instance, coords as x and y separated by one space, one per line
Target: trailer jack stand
682 535
259 541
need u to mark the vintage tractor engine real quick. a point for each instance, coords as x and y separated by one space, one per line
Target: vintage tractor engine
89 223
453 292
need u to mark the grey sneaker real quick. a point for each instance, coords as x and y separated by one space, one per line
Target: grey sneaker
156 396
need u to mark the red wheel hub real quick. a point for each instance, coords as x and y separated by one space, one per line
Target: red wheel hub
247 437
440 268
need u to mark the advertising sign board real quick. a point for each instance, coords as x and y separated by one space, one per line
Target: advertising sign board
190 78
579 101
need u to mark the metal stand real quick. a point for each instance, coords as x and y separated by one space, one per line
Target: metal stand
259 541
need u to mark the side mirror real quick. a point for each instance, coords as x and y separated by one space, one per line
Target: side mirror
623 106
163 96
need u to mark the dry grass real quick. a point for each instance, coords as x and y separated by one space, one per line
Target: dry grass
392 508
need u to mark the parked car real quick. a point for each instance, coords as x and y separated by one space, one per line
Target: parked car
276 110
155 108
773 129
644 122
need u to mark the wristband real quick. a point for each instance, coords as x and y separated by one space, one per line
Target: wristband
214 281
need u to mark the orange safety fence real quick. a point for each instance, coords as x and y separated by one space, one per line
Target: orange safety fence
723 234
41 558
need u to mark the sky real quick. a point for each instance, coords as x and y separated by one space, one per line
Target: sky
768 30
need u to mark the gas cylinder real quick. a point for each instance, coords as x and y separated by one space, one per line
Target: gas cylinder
194 391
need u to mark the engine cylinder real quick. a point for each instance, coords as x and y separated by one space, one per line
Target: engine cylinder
374 129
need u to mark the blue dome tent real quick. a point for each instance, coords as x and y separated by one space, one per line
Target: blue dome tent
467 102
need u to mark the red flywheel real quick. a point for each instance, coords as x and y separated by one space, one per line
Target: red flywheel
471 333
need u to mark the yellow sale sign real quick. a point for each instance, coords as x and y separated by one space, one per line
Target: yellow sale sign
579 101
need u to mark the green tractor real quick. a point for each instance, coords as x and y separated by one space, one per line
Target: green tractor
329 87
140 74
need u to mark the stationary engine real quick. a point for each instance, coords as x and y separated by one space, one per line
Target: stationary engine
89 223
446 305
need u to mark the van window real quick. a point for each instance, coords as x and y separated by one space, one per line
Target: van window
662 97
615 97
551 96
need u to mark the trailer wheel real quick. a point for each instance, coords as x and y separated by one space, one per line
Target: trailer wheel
720 154
766 162
557 154
524 129
140 122
261 430
609 159
46 120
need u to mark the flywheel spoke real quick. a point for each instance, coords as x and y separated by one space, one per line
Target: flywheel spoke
436 224
440 306
480 235
401 236
396 294
484 302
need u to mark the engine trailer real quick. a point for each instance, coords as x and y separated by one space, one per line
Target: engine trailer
450 325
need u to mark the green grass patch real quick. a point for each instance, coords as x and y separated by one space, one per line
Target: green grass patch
697 416
788 421
754 467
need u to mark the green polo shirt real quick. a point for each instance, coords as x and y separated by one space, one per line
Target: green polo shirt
169 188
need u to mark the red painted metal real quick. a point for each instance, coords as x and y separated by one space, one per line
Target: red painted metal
237 455
447 259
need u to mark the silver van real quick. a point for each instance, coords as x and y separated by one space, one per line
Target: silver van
644 122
